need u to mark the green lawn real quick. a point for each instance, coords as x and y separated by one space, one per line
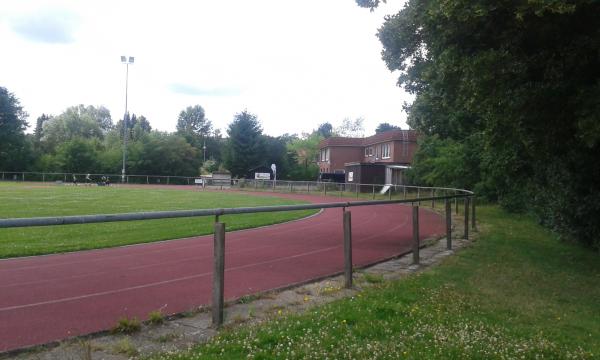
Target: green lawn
518 292
31 200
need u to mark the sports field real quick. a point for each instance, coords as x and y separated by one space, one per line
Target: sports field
33 200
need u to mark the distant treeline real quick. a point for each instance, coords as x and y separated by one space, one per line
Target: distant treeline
85 139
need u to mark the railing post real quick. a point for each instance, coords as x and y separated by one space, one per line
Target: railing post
466 218
347 248
148 180
357 189
23 177
448 225
415 225
43 177
168 178
404 191
218 275
390 193
373 192
473 225
432 200
308 187
455 204
419 195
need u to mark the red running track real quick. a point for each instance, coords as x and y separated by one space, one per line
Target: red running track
53 297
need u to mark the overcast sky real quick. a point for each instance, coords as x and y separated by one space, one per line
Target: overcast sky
295 64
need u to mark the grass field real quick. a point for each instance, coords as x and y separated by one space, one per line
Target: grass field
32 200
516 293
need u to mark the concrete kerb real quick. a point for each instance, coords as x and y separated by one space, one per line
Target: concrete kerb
182 331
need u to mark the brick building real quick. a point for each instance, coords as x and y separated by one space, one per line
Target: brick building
378 159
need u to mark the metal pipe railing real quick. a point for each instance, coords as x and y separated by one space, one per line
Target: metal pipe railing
219 229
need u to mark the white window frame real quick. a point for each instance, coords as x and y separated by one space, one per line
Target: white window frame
386 151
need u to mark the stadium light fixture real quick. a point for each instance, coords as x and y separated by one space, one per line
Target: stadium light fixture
125 61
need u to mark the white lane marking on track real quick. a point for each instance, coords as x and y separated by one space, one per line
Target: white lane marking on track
73 298
363 220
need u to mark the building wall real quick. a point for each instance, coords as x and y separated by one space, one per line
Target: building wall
338 156
403 153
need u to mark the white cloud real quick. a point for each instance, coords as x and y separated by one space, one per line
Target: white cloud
293 64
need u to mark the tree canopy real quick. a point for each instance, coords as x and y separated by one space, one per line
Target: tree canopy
519 83
383 127
13 122
245 146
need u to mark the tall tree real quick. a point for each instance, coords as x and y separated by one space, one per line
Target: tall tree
13 147
39 124
325 130
524 78
245 146
383 127
193 121
350 128
80 121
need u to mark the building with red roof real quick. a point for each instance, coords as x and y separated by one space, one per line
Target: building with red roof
379 159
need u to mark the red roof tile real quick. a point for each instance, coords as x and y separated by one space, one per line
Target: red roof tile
392 135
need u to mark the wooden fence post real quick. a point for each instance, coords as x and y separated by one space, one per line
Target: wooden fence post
347 248
466 218
415 225
473 225
448 225
218 275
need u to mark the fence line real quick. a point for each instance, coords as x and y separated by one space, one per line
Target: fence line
220 231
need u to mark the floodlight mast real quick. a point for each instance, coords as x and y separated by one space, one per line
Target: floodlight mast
126 61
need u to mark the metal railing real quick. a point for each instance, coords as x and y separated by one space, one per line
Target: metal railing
447 195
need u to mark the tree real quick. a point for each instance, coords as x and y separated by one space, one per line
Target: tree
14 150
524 78
305 150
350 128
325 130
193 121
86 122
39 123
383 127
245 147
78 155
136 126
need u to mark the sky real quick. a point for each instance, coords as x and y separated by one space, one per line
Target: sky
294 64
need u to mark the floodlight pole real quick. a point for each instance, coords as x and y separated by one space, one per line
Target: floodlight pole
125 60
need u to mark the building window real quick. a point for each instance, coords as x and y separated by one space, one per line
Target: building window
368 151
385 151
324 155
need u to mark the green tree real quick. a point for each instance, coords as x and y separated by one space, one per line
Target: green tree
305 150
77 155
383 127
86 122
160 153
524 79
193 124
14 150
325 130
245 147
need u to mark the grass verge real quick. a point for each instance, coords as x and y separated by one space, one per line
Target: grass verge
518 292
33 200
